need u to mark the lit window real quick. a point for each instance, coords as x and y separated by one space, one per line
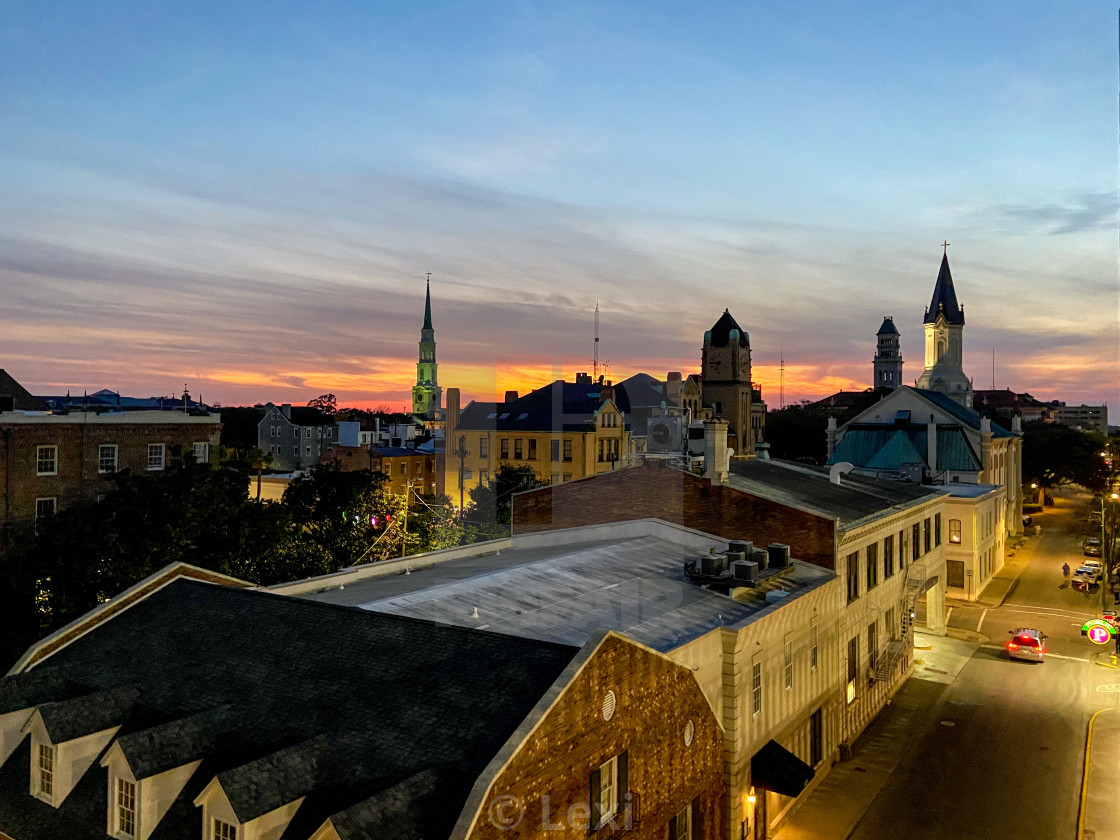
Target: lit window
46 460
156 456
107 458
45 779
45 507
955 531
224 831
126 807
853 667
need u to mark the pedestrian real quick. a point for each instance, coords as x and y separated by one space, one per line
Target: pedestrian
1065 570
1116 593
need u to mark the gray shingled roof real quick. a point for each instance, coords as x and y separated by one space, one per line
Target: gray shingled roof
558 406
335 703
944 297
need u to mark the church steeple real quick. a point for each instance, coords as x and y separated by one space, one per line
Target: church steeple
426 393
945 297
944 328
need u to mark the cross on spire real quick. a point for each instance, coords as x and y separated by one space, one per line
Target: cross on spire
945 246
429 277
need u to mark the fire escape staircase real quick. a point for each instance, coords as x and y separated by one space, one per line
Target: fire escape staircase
887 667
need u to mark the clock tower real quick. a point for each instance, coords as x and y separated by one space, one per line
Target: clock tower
726 380
426 393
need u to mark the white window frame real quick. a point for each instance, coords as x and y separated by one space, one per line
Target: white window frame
684 823
54 506
46 456
813 648
787 656
43 770
203 447
216 833
756 687
608 789
153 465
118 809
101 460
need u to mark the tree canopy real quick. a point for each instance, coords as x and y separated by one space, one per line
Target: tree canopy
1054 454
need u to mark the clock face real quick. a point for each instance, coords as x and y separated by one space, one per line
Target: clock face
661 434
716 363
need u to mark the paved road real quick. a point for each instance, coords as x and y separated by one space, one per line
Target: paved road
1004 756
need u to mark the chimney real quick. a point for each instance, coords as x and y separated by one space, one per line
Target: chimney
931 444
452 416
831 434
716 453
511 396
673 387
762 451
286 410
606 392
1017 425
583 378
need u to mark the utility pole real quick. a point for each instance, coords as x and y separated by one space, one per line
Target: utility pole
461 452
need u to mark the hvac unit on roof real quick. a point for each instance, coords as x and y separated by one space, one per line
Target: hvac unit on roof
664 434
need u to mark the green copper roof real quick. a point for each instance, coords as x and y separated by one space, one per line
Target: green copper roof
898 452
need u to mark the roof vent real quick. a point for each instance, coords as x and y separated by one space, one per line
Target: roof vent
839 469
743 546
778 555
689 733
713 565
744 571
760 558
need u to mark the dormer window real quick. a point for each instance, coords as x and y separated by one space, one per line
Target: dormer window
125 812
45 777
223 831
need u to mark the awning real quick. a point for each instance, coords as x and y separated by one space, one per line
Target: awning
776 768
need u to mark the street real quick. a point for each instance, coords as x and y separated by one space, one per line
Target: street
1003 755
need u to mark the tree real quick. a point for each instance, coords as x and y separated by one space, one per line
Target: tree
1053 454
489 514
326 403
797 433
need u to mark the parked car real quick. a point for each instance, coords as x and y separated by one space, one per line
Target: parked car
1085 577
1092 547
1027 644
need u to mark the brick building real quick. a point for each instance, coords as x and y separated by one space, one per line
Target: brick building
142 720
50 461
403 466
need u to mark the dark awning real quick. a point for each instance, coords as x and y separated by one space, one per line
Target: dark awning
776 768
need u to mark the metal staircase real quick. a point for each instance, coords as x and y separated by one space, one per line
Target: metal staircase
897 650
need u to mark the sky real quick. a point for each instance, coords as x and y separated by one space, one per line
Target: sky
245 198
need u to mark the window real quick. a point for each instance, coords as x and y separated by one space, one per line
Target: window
756 687
608 789
872 566
107 458
853 667
888 556
45 780
156 453
680 826
555 450
787 655
602 449
853 576
518 452
46 460
45 507
532 449
915 541
295 432
503 444
201 452
927 537
954 573
816 738
307 433
402 467
954 531
126 808
873 646
307 449
484 447
902 549
567 450
892 628
813 647
937 529
224 831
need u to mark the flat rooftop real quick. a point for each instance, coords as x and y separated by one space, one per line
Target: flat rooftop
562 586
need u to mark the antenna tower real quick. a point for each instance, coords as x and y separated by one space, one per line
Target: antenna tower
595 361
781 379
993 368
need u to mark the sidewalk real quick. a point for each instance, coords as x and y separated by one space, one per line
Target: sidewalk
1000 585
837 804
1100 807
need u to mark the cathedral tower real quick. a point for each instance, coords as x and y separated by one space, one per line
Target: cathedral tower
726 380
426 393
888 356
944 326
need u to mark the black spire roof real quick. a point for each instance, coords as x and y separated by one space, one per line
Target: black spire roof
944 297
721 331
888 327
428 307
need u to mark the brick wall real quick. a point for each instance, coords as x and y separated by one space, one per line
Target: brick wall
78 446
656 699
657 490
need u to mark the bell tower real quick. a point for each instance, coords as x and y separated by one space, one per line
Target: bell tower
426 393
726 380
887 363
944 327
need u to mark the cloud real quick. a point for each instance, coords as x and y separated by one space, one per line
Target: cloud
1084 212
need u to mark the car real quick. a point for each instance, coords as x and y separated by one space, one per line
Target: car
1027 644
1086 576
1096 564
1092 547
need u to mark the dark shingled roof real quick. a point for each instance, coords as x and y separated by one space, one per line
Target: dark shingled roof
721 331
888 327
944 297
641 390
282 698
22 400
558 406
966 416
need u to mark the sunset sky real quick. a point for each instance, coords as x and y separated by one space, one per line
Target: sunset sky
245 197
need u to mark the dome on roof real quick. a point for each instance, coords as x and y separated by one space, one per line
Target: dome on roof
720 333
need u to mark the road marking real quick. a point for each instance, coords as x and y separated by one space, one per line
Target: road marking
1048 610
980 623
1085 776
1109 687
